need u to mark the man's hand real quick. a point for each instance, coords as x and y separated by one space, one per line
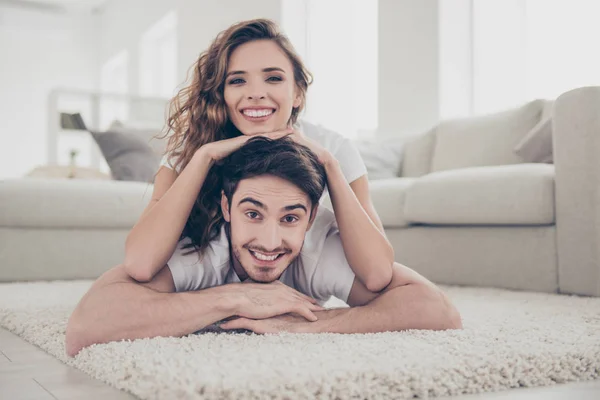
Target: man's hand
277 324
266 300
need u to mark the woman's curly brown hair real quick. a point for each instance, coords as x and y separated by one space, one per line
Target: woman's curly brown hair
198 115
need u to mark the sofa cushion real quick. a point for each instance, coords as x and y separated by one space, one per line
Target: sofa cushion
72 203
388 197
500 195
418 153
484 140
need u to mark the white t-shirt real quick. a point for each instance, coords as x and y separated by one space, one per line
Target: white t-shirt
324 270
320 271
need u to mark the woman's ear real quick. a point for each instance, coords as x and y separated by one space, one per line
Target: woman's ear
297 99
225 207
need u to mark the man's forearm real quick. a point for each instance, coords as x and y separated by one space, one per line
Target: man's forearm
405 307
368 251
126 310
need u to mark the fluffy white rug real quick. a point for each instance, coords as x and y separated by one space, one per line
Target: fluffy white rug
511 339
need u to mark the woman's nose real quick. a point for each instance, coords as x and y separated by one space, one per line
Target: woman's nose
256 96
256 91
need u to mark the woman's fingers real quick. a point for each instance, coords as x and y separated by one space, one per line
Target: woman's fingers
316 307
306 313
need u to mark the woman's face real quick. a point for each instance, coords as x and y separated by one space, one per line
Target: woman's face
260 90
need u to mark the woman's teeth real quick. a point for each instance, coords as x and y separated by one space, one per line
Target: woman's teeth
264 257
258 113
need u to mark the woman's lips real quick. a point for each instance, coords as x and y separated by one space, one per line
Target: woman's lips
257 119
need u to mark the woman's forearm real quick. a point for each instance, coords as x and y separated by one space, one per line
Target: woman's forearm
368 251
154 238
405 307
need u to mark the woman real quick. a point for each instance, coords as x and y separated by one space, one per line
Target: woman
249 82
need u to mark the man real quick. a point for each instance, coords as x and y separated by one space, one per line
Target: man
278 256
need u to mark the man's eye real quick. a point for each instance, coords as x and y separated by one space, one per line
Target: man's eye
252 214
290 219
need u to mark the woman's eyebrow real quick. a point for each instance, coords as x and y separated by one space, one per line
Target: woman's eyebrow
269 69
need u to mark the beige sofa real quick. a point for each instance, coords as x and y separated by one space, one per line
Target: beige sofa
465 209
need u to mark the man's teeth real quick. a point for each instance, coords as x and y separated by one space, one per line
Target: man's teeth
258 113
264 257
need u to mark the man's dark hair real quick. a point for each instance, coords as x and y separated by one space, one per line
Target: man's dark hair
282 158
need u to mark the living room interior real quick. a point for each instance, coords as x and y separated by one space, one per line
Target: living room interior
478 122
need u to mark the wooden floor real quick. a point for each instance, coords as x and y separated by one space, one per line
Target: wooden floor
26 372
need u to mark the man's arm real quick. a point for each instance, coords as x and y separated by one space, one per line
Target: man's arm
117 307
409 302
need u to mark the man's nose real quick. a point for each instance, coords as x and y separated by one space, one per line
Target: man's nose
271 238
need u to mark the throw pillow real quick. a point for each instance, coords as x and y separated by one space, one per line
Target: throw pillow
536 146
382 157
484 140
129 157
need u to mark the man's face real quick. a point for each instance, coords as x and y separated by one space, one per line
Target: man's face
269 218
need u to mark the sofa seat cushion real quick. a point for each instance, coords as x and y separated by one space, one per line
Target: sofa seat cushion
388 197
73 203
520 194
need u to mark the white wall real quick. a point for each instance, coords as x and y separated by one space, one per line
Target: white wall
408 66
37 53
122 24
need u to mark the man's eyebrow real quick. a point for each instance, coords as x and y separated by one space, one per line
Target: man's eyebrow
270 69
295 206
253 201
264 207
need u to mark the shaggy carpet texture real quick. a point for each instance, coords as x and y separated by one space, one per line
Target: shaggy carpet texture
510 339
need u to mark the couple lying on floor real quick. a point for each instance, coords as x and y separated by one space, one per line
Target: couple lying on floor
260 254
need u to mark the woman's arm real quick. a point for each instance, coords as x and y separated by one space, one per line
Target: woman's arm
369 253
154 237
360 187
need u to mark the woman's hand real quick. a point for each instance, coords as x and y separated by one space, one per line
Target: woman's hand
222 148
324 156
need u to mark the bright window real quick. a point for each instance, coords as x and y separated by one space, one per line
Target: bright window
158 58
497 54
338 41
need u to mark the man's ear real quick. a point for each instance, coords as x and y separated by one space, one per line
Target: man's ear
225 207
313 214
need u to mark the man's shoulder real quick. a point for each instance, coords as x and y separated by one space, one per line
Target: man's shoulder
323 227
214 255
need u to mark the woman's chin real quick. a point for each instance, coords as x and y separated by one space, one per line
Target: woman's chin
257 130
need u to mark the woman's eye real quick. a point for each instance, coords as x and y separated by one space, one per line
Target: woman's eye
236 81
275 79
290 219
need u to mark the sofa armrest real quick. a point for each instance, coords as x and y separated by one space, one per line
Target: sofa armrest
576 143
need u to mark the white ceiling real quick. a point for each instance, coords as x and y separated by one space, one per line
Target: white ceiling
56 5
